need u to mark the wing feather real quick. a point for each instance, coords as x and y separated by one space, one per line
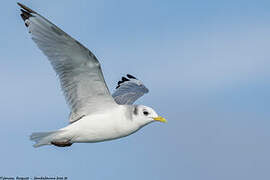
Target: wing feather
129 90
78 69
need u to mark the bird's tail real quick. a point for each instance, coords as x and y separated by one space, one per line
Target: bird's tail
43 138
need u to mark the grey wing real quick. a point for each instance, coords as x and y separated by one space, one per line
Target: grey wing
129 90
78 69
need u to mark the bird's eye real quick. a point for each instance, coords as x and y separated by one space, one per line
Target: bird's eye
145 113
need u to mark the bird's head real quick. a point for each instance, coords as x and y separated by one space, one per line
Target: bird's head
144 115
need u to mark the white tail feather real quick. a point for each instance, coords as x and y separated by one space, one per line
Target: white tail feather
42 138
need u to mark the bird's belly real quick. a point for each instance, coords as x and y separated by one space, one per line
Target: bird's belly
98 135
96 130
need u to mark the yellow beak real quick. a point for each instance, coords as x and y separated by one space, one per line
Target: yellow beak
161 119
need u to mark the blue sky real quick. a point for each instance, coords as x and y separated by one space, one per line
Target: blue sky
206 64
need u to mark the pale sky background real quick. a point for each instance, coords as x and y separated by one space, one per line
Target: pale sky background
206 64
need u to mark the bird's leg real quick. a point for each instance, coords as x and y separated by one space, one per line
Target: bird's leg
61 144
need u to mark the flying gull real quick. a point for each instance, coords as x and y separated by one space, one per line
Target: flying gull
96 115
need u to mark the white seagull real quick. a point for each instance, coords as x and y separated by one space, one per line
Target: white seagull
96 115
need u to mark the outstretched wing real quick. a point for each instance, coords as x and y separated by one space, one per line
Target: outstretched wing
129 90
78 69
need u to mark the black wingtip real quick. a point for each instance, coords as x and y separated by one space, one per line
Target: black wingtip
25 15
130 76
26 8
124 79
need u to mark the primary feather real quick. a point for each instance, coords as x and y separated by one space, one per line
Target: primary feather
129 90
78 69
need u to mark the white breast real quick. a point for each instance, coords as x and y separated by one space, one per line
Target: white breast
104 126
